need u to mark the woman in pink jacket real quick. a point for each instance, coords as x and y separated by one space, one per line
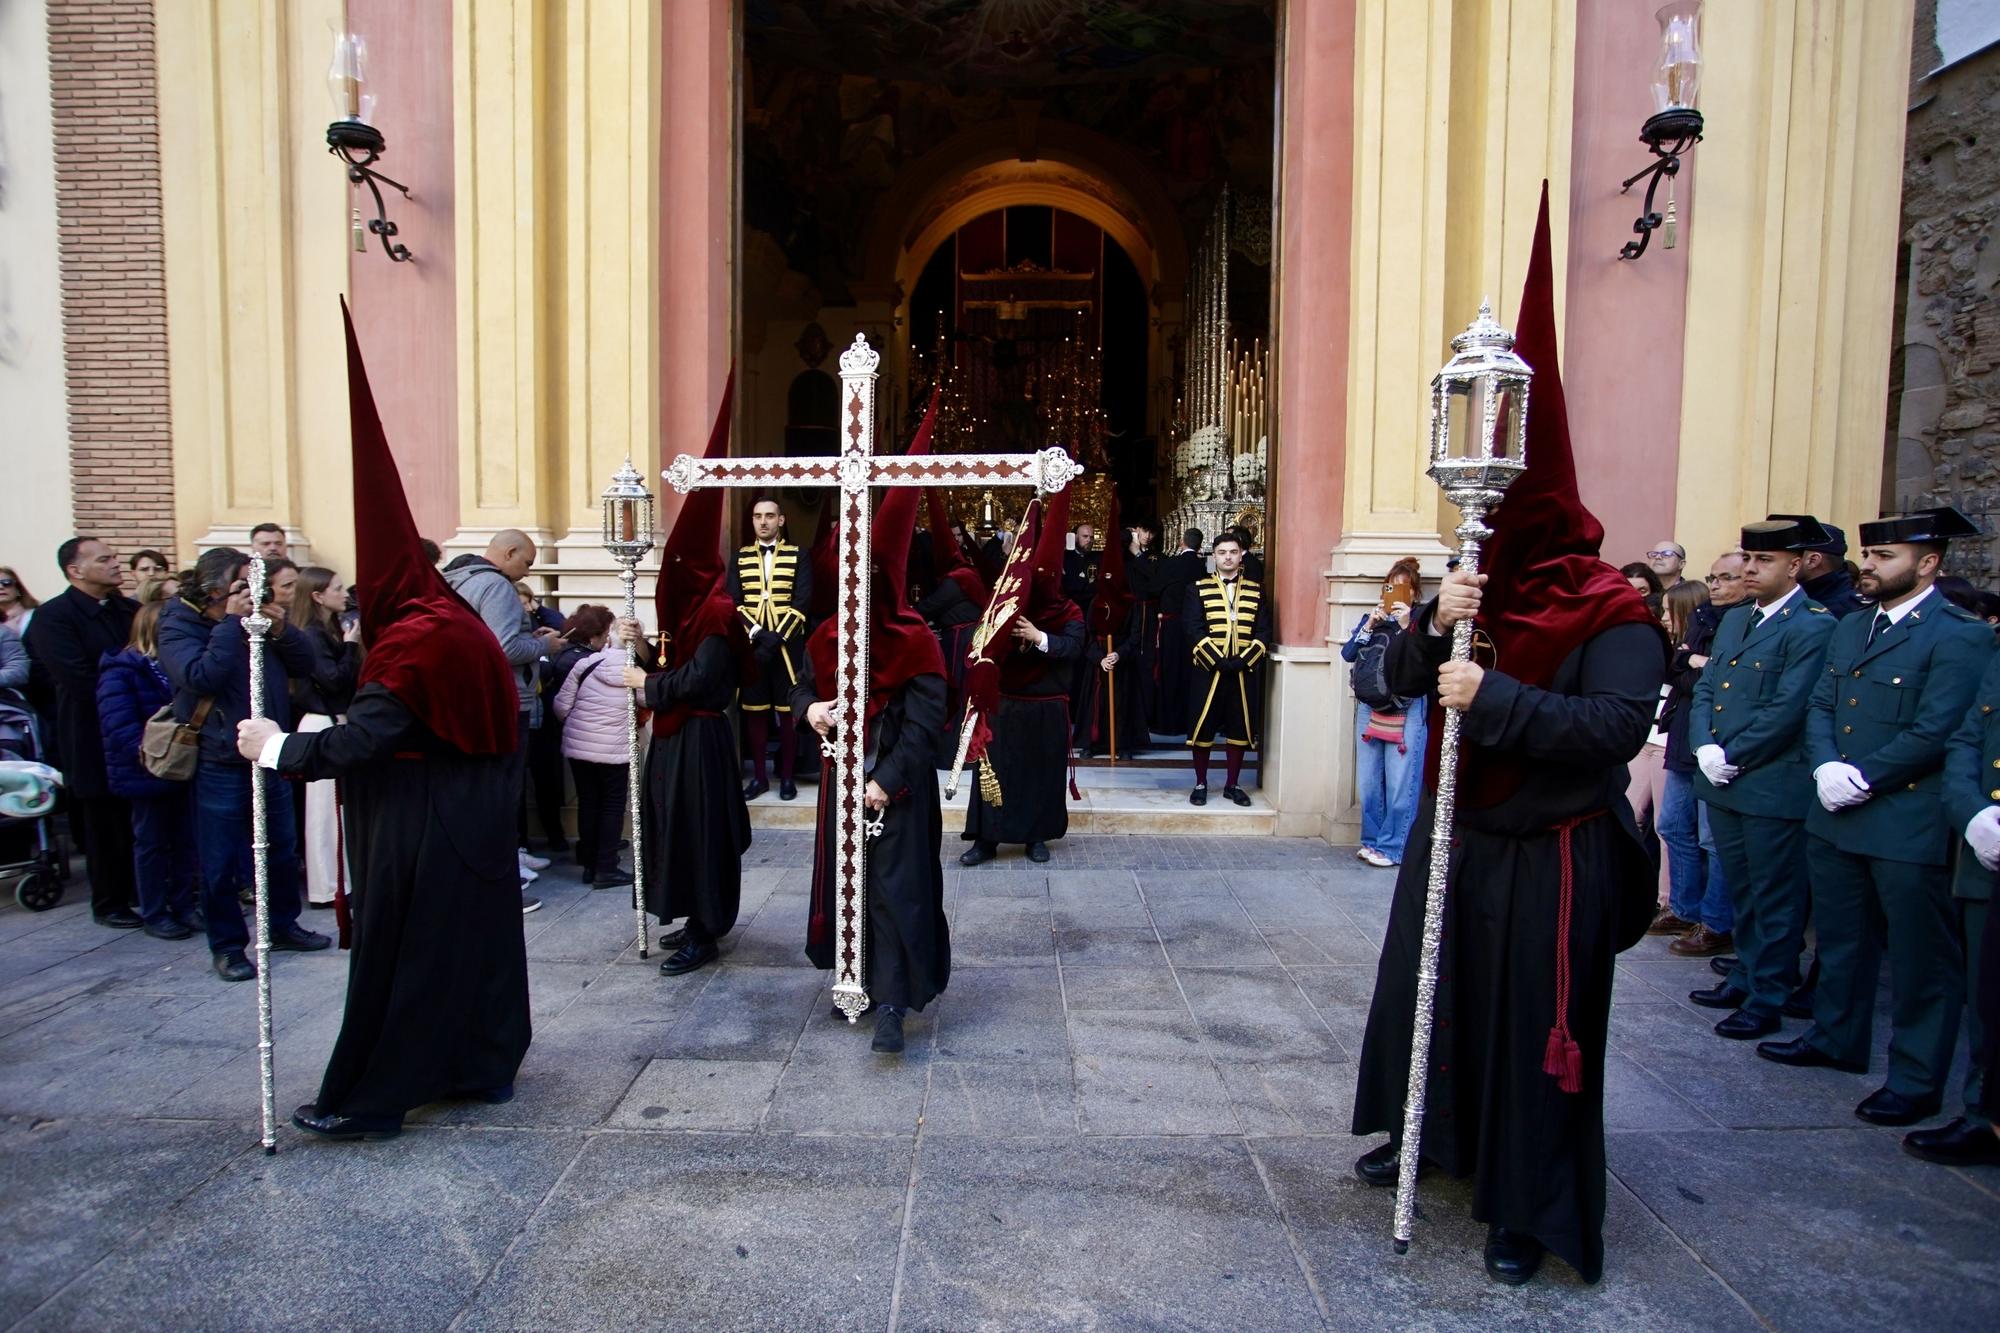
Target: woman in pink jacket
592 704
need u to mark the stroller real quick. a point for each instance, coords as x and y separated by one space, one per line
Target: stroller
29 853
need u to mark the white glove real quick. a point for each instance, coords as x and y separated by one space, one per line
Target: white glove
1715 765
1840 786
1983 836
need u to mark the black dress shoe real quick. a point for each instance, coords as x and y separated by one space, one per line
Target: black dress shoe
1237 794
693 954
1038 852
978 854
233 966
1721 996
617 879
499 1096
314 1121
757 787
674 939
1380 1166
1885 1107
1199 796
1743 1025
1722 966
1511 1257
300 940
170 930
120 920
888 1032
1799 1003
788 790
1800 1053
1961 1143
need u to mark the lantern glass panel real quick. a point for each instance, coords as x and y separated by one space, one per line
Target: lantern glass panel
347 78
1677 73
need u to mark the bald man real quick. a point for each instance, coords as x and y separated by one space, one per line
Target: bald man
487 583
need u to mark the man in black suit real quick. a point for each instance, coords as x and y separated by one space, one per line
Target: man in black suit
70 633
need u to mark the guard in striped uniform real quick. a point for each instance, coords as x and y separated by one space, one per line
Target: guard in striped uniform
772 585
1226 617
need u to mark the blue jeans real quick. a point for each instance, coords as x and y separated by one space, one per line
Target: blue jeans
222 823
163 857
1389 781
1697 890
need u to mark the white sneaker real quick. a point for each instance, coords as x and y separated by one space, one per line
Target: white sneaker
534 862
1374 858
529 876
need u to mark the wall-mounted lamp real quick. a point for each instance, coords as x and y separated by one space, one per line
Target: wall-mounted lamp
358 143
1675 126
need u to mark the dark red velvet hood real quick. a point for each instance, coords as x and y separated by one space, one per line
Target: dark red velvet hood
424 644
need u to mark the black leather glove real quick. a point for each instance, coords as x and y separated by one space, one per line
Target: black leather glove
767 641
1232 665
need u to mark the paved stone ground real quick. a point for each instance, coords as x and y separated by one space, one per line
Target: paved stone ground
1128 1112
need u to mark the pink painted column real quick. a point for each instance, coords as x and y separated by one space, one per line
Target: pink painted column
1315 210
1625 318
406 314
697 272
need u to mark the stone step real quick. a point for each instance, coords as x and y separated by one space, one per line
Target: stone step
1124 799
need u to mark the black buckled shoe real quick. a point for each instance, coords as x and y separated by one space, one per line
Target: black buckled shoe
233 966
1038 852
1381 1167
1237 794
1199 796
691 955
1800 1053
888 1032
1744 1025
979 853
1722 996
1961 1143
1887 1107
346 1127
1511 1257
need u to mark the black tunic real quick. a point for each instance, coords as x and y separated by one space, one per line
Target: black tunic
697 826
1536 1153
1094 723
1030 752
437 985
906 958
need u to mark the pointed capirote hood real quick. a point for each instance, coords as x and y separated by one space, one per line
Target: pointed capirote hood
424 644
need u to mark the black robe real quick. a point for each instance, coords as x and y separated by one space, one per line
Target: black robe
697 826
1140 573
1095 703
1535 1153
954 617
1030 752
1172 647
906 957
437 985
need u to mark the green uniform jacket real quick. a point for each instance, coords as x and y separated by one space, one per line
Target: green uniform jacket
1972 781
1888 708
1751 700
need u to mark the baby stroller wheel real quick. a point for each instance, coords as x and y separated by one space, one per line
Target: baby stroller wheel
38 891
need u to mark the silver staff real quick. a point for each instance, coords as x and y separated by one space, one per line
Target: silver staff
628 536
258 624
1486 385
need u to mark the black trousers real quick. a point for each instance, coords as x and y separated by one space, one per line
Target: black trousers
601 791
106 834
545 775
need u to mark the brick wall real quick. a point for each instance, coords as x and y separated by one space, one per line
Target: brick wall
107 154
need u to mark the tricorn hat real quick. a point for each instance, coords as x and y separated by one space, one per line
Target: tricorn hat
1785 532
1836 539
1924 525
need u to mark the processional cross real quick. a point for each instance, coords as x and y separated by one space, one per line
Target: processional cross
856 470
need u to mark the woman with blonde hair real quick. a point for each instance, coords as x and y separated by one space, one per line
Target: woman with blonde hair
17 604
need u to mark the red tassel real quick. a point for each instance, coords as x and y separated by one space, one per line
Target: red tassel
1552 1054
1572 1074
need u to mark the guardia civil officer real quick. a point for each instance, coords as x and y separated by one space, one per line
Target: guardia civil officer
1972 811
1748 734
1897 683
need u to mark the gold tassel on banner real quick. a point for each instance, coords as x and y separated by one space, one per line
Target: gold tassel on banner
989 782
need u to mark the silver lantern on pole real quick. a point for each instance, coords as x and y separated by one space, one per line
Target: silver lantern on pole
628 536
257 625
1479 429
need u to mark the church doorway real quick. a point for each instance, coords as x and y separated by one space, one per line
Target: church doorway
1058 214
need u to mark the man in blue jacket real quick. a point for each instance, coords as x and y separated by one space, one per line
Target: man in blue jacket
1747 725
206 653
1898 680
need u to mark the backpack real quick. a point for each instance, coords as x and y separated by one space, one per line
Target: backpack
1368 676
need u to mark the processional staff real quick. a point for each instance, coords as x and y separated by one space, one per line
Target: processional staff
628 536
1485 386
257 624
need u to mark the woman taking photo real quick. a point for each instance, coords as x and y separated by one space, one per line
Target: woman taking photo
318 702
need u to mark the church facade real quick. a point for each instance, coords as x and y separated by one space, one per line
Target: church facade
612 201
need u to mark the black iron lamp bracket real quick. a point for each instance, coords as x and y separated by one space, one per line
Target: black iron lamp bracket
360 147
1669 134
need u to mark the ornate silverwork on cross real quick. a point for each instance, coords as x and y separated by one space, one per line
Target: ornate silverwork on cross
1479 434
857 471
628 536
